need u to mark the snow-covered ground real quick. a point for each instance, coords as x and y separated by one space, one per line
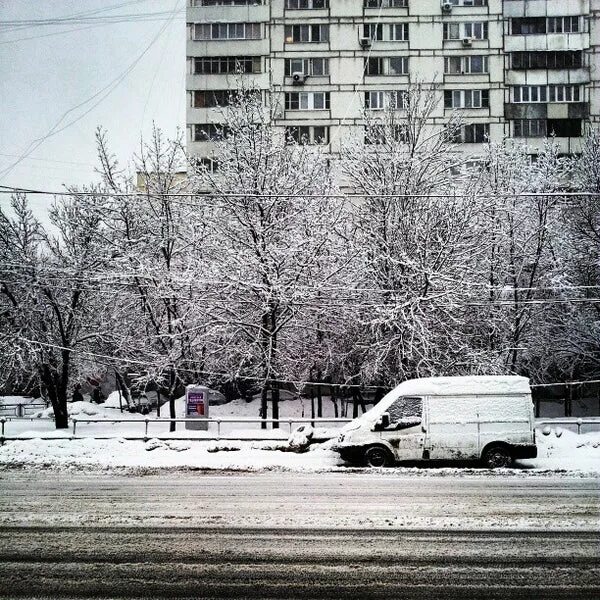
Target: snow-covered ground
557 451
568 453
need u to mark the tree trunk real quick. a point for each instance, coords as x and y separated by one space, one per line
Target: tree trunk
263 404
158 401
58 397
319 402
312 406
172 415
333 396
123 388
275 404
354 404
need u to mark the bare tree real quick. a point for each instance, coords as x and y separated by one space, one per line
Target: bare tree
273 234
49 313
415 225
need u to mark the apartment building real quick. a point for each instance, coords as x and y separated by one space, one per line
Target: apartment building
524 69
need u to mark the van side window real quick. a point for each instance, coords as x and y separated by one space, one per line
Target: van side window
406 412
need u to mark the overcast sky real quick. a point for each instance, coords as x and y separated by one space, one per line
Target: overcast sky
48 70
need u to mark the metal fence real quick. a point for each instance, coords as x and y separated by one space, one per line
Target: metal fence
578 425
20 410
76 423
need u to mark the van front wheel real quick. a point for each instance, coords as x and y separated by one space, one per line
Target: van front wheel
497 457
378 456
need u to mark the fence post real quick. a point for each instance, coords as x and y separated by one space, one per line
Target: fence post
2 420
218 427
146 430
290 426
74 426
579 423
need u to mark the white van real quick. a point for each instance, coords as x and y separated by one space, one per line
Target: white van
445 418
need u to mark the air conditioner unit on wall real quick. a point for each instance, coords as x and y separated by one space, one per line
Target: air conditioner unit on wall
365 42
447 7
467 41
298 78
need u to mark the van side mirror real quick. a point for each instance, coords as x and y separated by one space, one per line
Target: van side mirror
385 420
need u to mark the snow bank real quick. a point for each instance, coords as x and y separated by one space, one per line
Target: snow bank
84 410
18 400
115 453
566 452
113 401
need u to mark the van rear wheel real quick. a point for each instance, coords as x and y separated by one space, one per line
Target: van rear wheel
497 457
378 456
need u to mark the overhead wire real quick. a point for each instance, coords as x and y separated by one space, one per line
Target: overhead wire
102 94
5 189
298 383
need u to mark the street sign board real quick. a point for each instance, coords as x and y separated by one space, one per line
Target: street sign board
196 406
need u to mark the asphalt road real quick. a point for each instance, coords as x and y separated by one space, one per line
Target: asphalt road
285 535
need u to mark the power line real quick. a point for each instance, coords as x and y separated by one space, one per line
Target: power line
101 94
228 376
110 278
339 302
4 189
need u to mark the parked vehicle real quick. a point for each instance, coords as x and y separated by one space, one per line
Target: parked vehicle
490 419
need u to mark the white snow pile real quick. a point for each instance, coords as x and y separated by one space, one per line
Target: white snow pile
81 409
565 452
113 401
156 453
18 400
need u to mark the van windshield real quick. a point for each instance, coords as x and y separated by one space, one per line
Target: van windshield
406 412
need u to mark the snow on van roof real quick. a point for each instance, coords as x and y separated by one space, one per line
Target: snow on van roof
456 386
474 384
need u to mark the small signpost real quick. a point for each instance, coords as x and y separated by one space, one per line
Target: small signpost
196 407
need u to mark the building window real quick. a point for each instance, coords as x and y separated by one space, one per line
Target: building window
392 65
550 93
316 67
474 133
563 24
389 32
541 25
538 128
207 164
564 93
306 4
308 134
564 127
379 100
306 34
465 65
386 4
210 98
226 2
529 128
380 134
227 31
472 30
226 64
399 32
466 98
530 93
469 2
558 59
204 132
307 101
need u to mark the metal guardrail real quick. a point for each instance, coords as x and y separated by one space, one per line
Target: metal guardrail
20 410
578 422
146 422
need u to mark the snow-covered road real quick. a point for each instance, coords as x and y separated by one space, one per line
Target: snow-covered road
290 499
297 535
267 563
